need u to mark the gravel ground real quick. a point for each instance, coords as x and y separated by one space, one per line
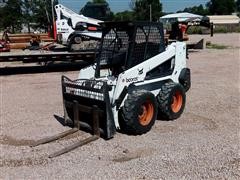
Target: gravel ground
202 144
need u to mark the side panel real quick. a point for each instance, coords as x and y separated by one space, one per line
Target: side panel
63 31
135 78
180 60
138 73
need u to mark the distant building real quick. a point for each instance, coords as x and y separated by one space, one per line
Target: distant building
224 19
230 23
180 17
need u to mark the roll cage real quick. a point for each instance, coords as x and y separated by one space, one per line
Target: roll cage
126 44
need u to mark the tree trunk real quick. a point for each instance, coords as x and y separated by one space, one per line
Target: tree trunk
28 26
13 29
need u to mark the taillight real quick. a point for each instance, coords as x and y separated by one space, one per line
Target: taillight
92 28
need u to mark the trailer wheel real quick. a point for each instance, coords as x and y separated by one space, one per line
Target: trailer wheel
138 113
75 42
171 101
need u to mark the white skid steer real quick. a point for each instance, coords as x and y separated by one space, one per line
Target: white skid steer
77 32
135 80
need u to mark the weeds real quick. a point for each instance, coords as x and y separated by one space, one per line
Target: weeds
209 45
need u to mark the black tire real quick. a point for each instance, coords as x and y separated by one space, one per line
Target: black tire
74 41
139 112
171 101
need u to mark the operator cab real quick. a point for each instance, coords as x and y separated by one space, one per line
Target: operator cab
126 44
99 11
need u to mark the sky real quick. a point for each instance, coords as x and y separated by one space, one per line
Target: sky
121 5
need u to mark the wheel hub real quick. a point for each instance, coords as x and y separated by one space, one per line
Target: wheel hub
146 113
77 40
177 101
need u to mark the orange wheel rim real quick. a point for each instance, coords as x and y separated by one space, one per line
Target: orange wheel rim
177 102
147 113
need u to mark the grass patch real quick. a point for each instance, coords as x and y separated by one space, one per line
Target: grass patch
209 45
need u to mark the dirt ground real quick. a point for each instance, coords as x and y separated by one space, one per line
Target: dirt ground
203 144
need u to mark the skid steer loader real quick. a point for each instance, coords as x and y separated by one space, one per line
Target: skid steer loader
135 80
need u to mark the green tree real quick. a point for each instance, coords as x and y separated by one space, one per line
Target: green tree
124 16
99 1
27 13
221 7
200 10
98 9
12 14
238 6
42 13
142 9
1 19
33 13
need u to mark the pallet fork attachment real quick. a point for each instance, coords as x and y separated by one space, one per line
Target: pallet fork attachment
96 132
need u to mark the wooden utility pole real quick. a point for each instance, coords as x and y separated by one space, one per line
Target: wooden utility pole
150 12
